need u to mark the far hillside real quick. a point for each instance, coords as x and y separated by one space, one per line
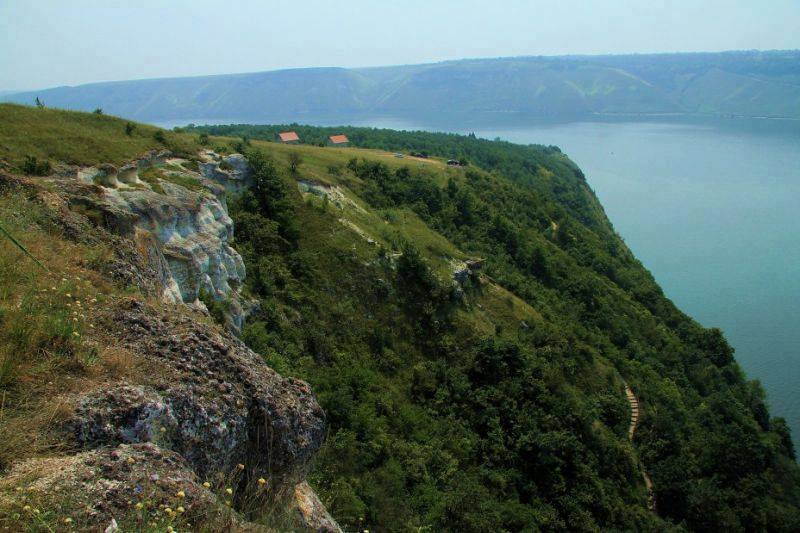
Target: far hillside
743 84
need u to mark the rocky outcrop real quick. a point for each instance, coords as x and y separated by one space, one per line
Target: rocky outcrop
209 407
143 482
231 171
311 513
184 231
221 406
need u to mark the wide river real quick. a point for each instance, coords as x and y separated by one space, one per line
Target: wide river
712 209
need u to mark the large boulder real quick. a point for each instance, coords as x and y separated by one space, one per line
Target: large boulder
218 404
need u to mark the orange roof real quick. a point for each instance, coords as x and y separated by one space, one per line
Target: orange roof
339 139
288 136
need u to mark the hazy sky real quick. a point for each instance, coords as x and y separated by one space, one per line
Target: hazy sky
45 43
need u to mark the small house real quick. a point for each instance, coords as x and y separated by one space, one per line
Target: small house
288 137
338 140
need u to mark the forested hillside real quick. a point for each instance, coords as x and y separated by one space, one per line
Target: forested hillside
497 402
747 83
472 334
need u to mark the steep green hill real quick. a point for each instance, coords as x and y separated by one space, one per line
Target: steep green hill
469 332
501 407
746 83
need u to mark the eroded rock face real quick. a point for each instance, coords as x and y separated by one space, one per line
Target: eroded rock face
185 232
231 171
222 407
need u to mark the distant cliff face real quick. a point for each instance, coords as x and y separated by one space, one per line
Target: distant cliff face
732 83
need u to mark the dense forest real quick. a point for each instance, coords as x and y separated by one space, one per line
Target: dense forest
496 403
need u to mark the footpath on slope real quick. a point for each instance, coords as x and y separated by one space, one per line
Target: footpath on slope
634 403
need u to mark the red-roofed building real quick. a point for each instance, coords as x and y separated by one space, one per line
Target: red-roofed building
288 137
338 140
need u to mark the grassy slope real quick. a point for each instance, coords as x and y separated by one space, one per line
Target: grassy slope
76 138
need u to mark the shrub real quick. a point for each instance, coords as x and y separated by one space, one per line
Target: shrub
159 137
295 160
34 167
129 128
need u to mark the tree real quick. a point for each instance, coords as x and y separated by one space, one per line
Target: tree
129 128
159 137
39 103
295 160
98 111
203 139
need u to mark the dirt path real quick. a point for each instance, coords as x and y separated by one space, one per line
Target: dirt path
634 423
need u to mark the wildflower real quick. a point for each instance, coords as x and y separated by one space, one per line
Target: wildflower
228 503
240 466
19 489
69 295
36 511
68 520
76 333
229 490
163 429
139 505
168 510
207 484
180 509
27 508
262 481
181 494
94 300
131 460
170 529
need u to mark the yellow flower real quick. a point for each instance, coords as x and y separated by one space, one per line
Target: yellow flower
170 529
169 511
262 481
27 508
131 460
76 333
181 494
19 489
207 484
139 505
68 520
228 503
229 490
240 466
180 509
